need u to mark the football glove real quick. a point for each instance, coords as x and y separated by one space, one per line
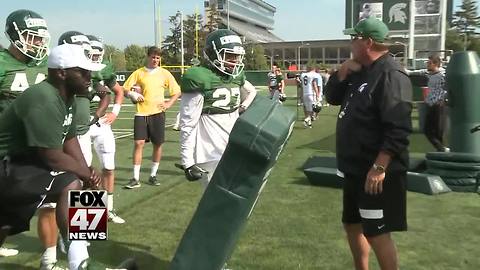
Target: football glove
317 107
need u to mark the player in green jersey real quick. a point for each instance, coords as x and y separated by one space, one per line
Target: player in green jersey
23 64
213 95
41 156
101 134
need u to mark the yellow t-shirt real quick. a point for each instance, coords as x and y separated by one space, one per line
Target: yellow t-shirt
153 83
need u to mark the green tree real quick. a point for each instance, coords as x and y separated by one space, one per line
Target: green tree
189 36
213 20
134 57
172 45
466 21
255 57
116 56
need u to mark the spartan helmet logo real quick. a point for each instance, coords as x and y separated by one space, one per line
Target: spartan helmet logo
396 13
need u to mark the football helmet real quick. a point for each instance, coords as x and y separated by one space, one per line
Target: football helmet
96 54
224 51
28 32
75 37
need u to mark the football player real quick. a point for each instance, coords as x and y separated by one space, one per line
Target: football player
272 80
311 94
280 93
101 134
21 65
47 225
213 95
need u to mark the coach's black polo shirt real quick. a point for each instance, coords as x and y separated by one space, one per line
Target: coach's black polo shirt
374 116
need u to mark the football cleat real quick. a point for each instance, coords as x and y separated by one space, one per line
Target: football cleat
152 180
113 217
7 252
51 266
133 184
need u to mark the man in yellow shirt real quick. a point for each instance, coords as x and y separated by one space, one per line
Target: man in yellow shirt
147 86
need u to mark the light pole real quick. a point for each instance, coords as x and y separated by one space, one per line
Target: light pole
228 14
299 49
157 24
181 40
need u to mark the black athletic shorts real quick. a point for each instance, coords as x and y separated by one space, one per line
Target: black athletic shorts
378 214
24 186
150 128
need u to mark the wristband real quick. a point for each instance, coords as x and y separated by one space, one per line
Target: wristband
116 109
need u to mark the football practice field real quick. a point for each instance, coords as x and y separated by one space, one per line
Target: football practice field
294 225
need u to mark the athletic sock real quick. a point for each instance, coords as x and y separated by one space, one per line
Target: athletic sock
154 168
136 172
49 256
77 253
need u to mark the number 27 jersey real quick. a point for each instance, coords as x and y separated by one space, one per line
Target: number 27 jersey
209 109
221 94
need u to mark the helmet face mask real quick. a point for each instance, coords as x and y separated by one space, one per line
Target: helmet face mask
28 32
75 37
224 51
97 51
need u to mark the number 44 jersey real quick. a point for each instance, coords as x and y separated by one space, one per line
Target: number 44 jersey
16 76
209 109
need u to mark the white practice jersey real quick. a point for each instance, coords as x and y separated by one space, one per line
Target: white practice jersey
307 80
204 137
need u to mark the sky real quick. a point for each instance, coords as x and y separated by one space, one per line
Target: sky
125 22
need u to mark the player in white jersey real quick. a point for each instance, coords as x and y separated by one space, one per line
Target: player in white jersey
311 82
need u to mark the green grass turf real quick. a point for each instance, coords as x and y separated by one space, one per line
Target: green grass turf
294 225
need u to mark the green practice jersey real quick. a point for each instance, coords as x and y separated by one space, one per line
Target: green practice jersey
88 105
16 76
37 118
221 94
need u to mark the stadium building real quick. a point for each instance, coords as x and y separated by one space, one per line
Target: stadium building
254 20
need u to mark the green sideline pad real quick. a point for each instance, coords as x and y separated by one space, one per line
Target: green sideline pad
416 164
445 173
451 165
323 176
320 161
460 181
255 143
453 156
426 183
469 188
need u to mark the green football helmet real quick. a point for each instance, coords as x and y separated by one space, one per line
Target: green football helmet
28 32
224 51
96 54
75 37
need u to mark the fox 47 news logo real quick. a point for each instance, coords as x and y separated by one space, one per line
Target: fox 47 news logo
87 215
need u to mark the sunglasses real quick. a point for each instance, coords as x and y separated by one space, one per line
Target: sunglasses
355 37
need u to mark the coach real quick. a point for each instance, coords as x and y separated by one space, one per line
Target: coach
373 126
